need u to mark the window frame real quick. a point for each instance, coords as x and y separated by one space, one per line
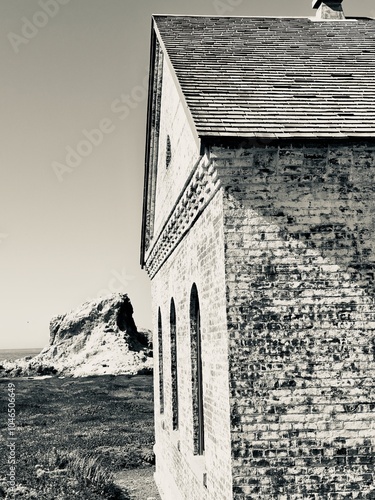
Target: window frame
174 366
161 362
197 372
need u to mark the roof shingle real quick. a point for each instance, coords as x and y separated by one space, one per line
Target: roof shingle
291 77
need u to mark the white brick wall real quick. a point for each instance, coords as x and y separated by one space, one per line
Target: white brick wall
184 148
198 259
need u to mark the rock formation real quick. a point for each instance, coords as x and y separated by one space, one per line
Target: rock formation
98 338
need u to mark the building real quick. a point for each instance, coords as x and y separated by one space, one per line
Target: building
258 236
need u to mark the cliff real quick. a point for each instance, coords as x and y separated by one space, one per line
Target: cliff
100 337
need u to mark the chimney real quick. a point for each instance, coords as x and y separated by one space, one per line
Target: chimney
329 9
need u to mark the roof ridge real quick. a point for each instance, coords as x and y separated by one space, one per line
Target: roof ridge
211 16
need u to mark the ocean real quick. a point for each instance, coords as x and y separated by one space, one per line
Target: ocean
11 354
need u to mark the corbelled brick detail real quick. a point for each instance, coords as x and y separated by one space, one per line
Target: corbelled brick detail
195 197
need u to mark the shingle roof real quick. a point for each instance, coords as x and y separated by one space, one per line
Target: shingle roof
288 77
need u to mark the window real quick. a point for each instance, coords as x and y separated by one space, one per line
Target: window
174 377
196 371
160 349
168 152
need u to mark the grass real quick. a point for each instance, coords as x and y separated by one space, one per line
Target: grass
74 434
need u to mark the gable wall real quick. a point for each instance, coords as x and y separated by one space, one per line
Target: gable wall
300 262
184 149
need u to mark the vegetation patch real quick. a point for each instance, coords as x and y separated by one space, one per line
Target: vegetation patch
73 435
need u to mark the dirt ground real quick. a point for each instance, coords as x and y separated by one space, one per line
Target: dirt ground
139 483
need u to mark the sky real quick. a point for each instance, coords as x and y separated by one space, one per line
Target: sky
73 97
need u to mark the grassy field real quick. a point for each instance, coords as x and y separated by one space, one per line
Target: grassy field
74 434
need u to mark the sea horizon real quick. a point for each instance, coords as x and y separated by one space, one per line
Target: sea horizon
12 354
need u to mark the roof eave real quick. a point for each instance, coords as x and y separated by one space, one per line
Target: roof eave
270 139
147 145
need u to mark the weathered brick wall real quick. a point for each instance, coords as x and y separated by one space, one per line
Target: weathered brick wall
300 260
198 259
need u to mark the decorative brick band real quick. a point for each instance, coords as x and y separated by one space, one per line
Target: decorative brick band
198 193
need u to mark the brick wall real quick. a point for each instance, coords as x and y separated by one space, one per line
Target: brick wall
186 247
198 259
299 255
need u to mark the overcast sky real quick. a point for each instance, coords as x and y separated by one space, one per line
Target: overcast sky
72 150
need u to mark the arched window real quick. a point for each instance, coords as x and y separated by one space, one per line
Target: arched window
160 350
174 376
168 152
196 371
